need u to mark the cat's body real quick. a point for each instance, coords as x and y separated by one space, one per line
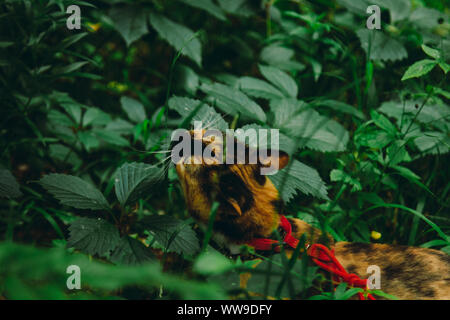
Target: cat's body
250 207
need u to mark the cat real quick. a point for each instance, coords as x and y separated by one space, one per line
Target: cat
250 206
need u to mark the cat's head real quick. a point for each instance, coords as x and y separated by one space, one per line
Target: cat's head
249 203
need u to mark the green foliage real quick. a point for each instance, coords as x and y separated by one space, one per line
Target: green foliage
74 192
86 118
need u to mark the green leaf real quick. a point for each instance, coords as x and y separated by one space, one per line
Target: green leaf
69 68
233 101
180 37
133 179
430 114
237 7
130 21
310 129
339 175
88 139
173 234
281 57
342 294
206 114
258 88
111 137
6 44
131 252
340 107
383 123
444 66
431 52
281 80
381 46
99 280
299 177
433 143
74 110
397 153
74 192
9 188
208 6
285 143
419 69
120 126
95 116
212 263
93 236
398 9
134 109
426 18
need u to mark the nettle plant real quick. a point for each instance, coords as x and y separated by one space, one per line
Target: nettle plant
114 240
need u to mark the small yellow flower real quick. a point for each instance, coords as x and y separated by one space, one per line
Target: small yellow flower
94 27
375 235
117 86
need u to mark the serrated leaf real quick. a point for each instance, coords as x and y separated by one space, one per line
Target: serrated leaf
431 52
237 7
310 129
419 69
88 139
9 188
180 37
206 114
111 137
95 116
258 88
430 114
130 21
93 236
74 192
281 57
134 109
285 143
208 6
339 175
131 252
433 143
358 7
426 18
340 107
398 9
281 80
120 126
173 234
73 109
299 177
229 99
383 123
397 153
132 180
381 46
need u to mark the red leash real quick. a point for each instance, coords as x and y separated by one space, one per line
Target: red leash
320 255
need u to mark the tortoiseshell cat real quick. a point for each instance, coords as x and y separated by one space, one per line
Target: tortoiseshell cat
249 208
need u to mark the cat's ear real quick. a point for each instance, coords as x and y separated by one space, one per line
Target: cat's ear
275 159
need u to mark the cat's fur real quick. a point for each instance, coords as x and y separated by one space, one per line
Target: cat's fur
250 207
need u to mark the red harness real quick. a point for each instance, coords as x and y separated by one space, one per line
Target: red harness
321 256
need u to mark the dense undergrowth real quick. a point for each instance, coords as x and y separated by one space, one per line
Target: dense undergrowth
86 116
